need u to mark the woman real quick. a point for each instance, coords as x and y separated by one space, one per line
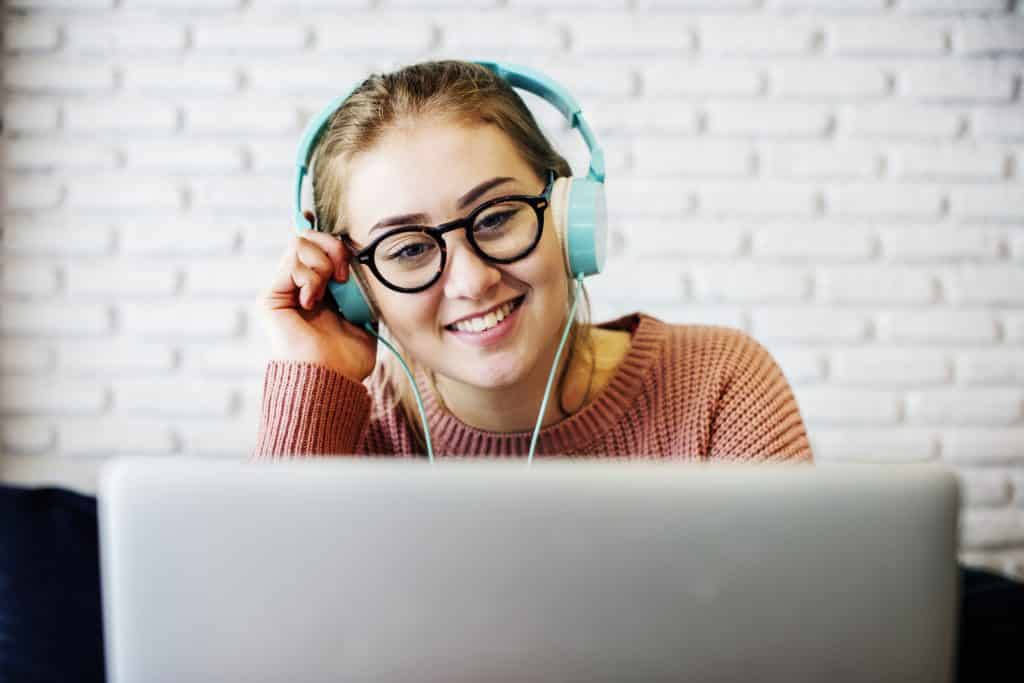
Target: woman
441 141
414 142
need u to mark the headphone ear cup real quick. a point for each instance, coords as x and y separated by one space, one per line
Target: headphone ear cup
352 300
581 214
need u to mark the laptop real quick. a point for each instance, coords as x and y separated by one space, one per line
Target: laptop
379 569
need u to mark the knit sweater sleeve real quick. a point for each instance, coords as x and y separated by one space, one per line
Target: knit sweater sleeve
756 416
309 410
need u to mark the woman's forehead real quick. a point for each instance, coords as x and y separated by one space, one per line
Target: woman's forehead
433 155
427 170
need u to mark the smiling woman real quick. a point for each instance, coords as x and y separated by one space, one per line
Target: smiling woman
436 192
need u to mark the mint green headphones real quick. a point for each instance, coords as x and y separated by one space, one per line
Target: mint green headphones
577 204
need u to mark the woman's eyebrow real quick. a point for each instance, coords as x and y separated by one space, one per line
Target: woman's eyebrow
466 199
477 191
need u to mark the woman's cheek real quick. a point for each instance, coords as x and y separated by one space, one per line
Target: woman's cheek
418 319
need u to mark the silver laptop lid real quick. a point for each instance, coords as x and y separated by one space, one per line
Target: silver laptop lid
386 570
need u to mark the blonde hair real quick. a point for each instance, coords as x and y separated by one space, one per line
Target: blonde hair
447 90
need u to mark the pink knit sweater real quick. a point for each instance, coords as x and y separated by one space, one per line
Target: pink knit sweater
682 391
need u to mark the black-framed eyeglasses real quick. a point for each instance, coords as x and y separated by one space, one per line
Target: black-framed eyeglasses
501 230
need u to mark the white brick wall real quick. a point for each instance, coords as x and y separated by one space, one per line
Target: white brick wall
840 178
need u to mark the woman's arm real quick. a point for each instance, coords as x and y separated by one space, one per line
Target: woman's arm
310 410
756 417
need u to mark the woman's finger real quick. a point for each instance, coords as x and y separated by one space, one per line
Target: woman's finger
313 256
334 249
309 284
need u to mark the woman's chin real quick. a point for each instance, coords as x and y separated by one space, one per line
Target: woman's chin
491 374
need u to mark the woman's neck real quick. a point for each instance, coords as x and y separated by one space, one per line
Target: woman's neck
515 408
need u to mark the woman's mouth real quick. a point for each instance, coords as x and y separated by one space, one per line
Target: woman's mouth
488 328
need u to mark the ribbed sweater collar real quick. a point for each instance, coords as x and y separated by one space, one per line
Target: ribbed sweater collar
451 435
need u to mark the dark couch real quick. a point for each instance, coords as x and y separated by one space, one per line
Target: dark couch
51 626
51 619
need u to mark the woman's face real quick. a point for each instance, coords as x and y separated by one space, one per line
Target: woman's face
427 169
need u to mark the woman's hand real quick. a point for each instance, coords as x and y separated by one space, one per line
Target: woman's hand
300 314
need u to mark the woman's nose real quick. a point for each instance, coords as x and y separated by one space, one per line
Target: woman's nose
468 276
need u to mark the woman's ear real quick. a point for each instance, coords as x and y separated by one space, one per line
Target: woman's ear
559 207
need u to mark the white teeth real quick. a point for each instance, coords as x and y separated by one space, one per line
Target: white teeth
484 322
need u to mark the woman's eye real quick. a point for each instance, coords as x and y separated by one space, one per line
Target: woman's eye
411 251
494 220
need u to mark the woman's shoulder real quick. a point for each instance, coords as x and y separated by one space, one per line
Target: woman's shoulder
714 340
718 376
705 333
728 350
683 341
